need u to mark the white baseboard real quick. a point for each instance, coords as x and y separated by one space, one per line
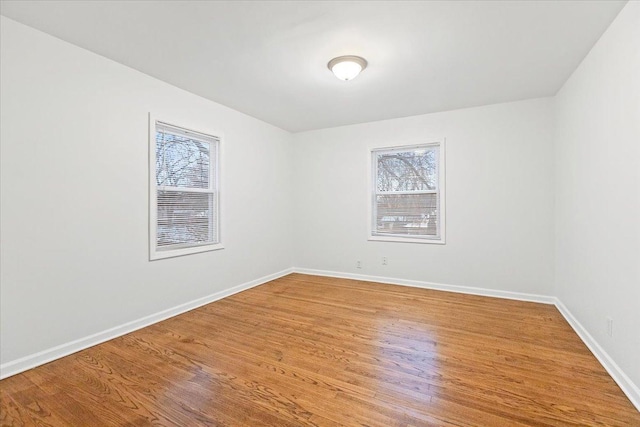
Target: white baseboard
625 383
520 296
16 366
628 387
31 361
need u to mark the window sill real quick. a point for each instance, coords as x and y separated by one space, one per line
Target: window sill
398 239
155 255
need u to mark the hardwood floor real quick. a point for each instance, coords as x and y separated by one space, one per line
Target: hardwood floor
314 351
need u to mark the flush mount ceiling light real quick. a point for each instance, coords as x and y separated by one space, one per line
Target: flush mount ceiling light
347 67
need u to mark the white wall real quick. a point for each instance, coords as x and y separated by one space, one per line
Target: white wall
74 208
499 184
598 191
74 195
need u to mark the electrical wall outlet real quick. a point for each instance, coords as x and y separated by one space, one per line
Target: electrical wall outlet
384 260
609 326
358 264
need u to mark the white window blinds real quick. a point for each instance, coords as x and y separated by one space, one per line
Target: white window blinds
406 192
185 188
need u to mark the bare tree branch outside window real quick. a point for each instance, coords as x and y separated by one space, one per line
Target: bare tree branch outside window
406 197
182 165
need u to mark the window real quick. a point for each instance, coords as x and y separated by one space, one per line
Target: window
408 194
184 198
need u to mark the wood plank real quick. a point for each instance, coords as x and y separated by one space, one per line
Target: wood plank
316 351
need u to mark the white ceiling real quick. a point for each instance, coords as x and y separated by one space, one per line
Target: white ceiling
268 59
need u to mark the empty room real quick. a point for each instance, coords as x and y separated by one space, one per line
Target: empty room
320 213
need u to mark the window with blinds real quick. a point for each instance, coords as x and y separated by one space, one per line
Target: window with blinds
408 196
184 194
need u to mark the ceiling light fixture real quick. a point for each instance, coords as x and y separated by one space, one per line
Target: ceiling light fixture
347 67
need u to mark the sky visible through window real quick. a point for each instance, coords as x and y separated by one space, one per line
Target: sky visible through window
184 215
406 198
407 171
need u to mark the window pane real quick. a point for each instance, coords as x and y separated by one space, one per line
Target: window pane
185 217
181 161
412 170
407 214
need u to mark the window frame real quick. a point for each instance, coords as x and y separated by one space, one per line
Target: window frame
214 188
440 191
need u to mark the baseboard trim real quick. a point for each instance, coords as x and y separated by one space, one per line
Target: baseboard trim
618 375
628 387
31 361
28 362
520 296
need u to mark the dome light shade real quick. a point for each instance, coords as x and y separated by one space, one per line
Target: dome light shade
347 67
